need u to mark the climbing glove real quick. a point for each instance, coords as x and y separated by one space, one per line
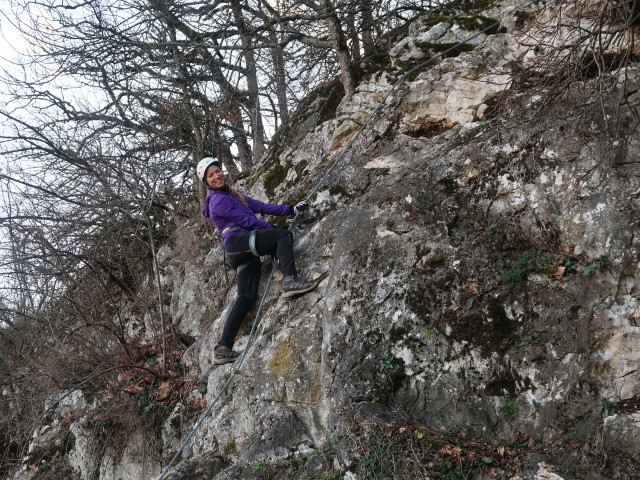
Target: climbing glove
300 207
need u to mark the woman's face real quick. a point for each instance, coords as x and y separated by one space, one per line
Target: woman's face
214 177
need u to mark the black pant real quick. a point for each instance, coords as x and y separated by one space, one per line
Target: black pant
275 241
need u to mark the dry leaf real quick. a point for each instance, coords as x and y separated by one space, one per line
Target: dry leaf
164 390
475 288
124 376
106 397
135 388
446 450
453 452
198 403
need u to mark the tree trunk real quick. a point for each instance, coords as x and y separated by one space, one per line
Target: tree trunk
354 34
253 98
339 45
367 27
280 78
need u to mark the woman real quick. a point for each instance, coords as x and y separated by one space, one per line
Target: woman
244 238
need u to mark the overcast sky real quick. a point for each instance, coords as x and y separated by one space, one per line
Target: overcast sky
10 39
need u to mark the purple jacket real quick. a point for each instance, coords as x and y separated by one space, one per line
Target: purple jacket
226 210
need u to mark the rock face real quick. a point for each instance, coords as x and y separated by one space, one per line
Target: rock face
476 273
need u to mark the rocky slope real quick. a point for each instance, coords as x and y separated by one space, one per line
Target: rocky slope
478 267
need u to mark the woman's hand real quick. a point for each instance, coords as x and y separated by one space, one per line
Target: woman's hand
300 207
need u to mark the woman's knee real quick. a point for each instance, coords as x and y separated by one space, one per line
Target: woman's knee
286 235
251 301
246 301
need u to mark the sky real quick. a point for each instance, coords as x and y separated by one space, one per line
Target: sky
8 38
11 41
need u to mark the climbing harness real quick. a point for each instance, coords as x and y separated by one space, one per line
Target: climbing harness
229 229
340 156
252 243
252 248
225 266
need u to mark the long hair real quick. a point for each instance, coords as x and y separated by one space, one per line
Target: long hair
239 196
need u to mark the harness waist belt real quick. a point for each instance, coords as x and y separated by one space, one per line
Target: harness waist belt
229 229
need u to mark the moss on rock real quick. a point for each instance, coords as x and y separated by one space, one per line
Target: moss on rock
275 177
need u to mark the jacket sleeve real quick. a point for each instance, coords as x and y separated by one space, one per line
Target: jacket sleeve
268 208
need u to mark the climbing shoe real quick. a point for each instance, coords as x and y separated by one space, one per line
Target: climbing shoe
292 286
222 355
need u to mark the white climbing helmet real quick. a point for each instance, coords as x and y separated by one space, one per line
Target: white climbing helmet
205 163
